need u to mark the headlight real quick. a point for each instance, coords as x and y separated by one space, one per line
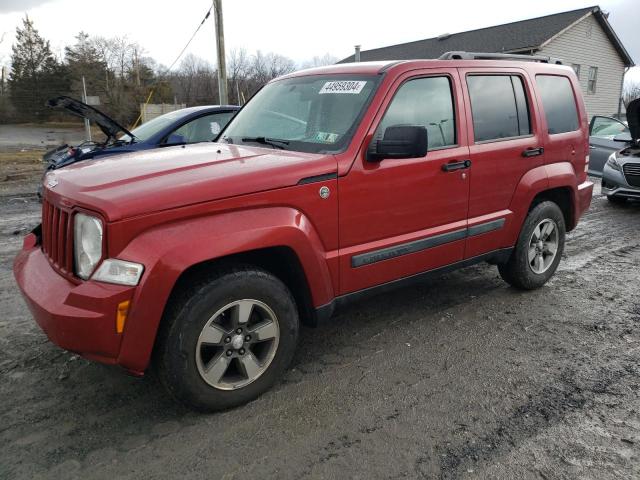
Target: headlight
612 162
117 271
87 244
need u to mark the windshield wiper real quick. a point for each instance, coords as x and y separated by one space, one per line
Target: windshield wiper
274 142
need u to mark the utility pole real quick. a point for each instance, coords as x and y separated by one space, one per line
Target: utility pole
87 127
222 64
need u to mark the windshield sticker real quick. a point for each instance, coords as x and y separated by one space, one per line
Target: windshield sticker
325 137
343 86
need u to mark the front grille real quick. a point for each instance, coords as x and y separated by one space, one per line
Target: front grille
632 173
57 232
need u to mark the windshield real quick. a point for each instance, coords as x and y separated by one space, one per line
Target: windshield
147 130
316 114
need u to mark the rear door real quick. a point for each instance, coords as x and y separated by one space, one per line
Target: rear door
399 217
504 144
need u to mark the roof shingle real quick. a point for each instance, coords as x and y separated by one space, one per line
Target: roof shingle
510 37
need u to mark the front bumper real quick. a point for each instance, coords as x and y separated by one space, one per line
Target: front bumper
615 184
77 317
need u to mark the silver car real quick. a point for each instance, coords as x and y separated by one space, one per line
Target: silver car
621 173
606 135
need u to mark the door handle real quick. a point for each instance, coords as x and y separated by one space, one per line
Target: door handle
592 147
452 166
532 152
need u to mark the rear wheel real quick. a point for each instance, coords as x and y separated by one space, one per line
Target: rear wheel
539 248
228 339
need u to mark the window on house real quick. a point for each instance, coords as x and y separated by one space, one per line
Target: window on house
576 68
593 78
498 107
558 102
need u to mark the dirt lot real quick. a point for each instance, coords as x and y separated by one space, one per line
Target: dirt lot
462 377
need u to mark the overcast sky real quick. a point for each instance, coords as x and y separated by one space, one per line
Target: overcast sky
294 28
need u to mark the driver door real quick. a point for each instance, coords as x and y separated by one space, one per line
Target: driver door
399 217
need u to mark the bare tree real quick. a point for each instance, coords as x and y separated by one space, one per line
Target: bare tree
631 92
238 69
194 81
316 61
265 67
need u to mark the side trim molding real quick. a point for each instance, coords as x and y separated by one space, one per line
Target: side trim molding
406 248
424 243
485 227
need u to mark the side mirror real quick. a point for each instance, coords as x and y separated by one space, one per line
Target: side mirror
174 139
399 141
622 137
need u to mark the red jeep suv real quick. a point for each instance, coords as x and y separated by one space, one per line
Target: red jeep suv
331 184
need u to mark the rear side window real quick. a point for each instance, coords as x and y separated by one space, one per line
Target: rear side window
424 101
559 103
498 107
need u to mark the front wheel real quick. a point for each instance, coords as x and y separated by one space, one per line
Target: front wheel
229 339
539 248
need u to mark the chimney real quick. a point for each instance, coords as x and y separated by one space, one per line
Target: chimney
357 56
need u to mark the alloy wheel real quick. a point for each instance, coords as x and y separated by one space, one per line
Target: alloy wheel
237 344
543 246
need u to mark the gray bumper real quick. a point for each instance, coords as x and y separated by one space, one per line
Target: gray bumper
614 184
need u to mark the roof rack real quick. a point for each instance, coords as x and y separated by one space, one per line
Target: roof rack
461 55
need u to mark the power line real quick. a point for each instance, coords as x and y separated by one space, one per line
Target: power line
152 90
192 37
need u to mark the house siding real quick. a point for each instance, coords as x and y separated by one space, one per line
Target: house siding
587 45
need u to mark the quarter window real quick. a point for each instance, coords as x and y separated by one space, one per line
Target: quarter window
498 107
424 101
593 78
558 102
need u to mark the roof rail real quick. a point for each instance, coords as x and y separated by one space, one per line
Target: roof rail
461 55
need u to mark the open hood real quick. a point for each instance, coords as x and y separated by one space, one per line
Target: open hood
108 125
633 117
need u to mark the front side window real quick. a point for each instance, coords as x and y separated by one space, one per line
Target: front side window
202 129
317 113
607 127
424 101
593 78
498 107
154 126
558 102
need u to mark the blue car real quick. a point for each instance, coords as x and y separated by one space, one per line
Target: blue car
188 125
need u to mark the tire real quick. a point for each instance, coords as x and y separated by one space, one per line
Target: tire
189 355
616 200
522 272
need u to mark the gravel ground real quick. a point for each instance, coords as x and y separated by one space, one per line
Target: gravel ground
462 377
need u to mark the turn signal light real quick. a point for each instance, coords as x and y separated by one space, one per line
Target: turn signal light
121 315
